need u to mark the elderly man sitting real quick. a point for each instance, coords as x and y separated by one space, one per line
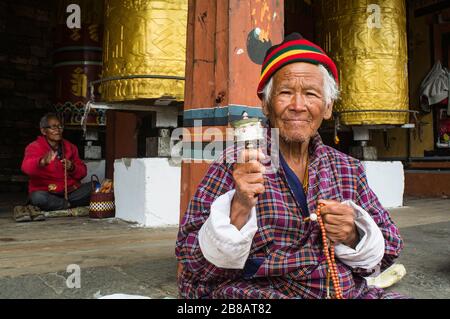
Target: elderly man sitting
250 233
54 170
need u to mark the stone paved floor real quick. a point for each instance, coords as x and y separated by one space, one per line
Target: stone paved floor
117 257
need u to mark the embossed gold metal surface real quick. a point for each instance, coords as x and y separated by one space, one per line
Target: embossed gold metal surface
144 38
371 57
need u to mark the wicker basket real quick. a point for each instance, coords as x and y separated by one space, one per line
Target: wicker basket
102 204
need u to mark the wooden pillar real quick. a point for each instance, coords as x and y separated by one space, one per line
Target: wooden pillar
121 138
226 44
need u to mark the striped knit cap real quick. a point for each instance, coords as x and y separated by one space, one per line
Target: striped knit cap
294 48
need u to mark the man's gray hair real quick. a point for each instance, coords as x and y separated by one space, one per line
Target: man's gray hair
44 120
330 87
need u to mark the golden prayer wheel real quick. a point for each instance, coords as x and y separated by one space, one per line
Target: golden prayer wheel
77 60
144 50
367 41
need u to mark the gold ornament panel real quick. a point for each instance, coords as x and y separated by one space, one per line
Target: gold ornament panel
144 38
135 89
370 51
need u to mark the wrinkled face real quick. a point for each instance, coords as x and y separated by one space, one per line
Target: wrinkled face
297 105
54 130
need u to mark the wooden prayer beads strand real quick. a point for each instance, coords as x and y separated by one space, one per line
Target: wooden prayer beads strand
329 254
66 197
65 181
334 265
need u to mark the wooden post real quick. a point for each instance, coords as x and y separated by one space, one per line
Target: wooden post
226 44
121 138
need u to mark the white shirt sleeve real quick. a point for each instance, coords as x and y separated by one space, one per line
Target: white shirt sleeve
370 250
221 243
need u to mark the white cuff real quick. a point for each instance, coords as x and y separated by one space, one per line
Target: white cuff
221 242
370 250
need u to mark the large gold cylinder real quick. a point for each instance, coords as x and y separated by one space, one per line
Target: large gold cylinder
367 40
144 52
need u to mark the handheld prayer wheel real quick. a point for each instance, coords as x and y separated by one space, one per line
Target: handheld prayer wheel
248 131
145 50
77 60
367 41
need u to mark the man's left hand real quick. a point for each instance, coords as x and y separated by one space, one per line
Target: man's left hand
339 223
67 163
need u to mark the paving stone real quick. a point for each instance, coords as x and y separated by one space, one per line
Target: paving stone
116 257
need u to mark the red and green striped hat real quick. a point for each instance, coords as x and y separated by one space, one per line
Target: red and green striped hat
294 48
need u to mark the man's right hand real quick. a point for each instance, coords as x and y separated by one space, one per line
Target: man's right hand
50 156
249 181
